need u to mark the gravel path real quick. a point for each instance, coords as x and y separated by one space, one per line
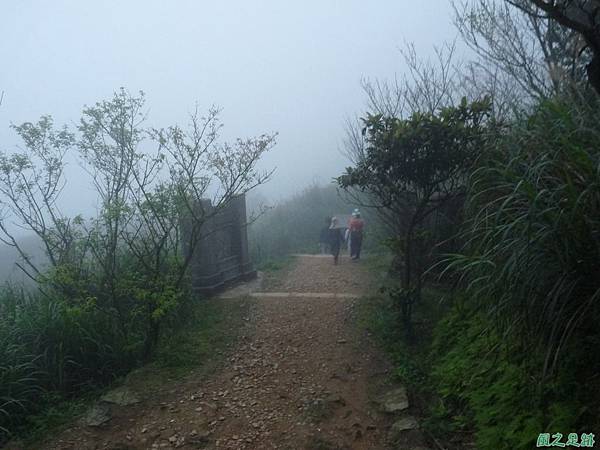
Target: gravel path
316 273
301 377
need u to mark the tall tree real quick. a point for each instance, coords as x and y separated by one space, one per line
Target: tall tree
412 168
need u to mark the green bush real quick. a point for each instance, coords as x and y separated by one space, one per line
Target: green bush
468 379
484 384
54 347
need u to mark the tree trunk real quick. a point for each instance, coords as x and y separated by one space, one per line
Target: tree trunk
593 72
407 286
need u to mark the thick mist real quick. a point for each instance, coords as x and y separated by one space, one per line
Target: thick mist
291 68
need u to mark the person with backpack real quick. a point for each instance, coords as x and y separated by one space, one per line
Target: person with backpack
356 228
324 236
336 239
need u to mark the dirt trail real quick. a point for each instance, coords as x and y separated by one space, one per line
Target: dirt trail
301 377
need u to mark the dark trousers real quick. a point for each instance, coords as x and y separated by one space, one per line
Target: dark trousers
355 244
335 251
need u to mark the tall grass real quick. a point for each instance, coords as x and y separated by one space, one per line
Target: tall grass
50 350
533 240
54 358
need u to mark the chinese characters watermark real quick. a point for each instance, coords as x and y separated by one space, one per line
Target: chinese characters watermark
573 440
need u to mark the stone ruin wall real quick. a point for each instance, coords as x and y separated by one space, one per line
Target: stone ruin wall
222 257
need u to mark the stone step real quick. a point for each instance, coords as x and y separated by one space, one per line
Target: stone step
298 295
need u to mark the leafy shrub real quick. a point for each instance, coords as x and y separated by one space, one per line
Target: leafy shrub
484 383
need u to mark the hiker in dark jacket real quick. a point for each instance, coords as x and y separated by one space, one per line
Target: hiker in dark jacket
324 236
356 227
336 239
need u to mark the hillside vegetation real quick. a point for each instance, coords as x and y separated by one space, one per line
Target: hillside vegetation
494 328
479 183
109 288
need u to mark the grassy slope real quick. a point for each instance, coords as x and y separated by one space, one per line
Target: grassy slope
194 350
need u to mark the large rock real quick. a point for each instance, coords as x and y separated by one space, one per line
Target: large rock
395 401
120 396
97 415
404 424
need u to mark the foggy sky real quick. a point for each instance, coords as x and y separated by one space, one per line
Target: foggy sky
290 67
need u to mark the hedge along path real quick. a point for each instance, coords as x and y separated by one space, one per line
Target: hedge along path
300 377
